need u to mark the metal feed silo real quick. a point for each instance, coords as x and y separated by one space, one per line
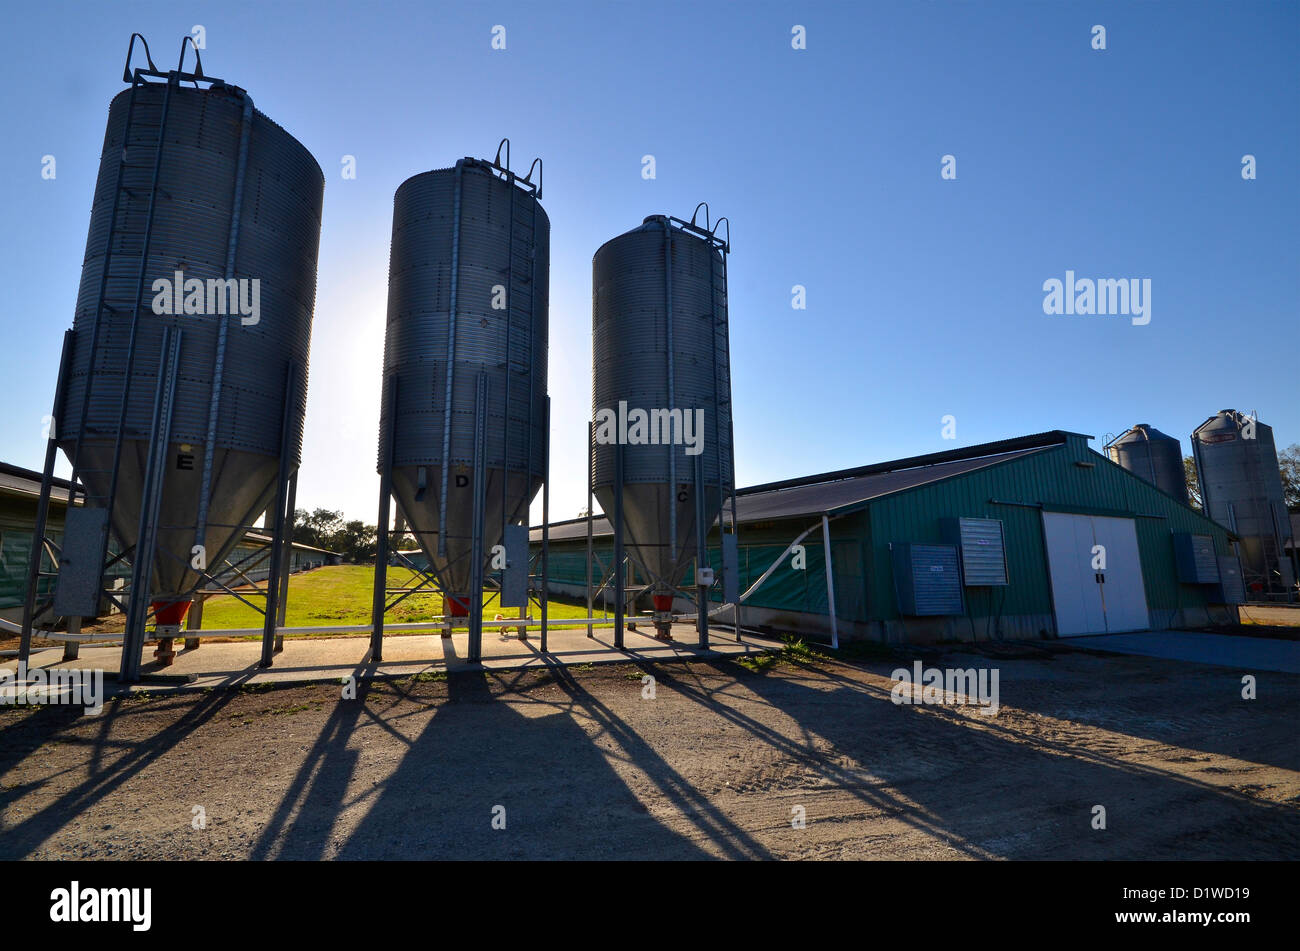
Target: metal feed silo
1151 455
661 395
1236 462
183 387
463 417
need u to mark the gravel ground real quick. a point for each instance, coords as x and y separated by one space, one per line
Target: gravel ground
720 763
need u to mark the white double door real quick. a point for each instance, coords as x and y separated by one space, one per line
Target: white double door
1089 598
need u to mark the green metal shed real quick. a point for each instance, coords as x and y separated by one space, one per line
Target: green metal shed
1031 486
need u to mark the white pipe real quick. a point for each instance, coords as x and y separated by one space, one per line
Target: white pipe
60 636
332 629
776 564
830 581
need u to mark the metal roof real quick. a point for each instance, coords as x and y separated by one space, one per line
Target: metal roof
839 492
15 480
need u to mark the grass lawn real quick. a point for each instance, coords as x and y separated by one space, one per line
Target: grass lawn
341 594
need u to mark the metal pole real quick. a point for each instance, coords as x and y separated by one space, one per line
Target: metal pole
505 413
476 546
701 556
195 621
72 649
618 545
287 530
150 501
830 580
381 535
219 361
277 527
668 347
451 364
546 520
731 429
43 503
535 326
590 449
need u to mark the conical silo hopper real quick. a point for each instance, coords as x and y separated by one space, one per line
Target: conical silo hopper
465 361
659 326
206 220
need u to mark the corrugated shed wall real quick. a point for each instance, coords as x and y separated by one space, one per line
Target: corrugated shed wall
17 522
788 589
1052 479
17 517
864 582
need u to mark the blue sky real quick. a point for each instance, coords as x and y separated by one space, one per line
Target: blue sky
924 296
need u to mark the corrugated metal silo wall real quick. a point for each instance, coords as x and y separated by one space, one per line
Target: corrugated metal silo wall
1158 459
419 319
1049 477
277 242
630 352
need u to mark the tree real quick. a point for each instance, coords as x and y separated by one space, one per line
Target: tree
318 528
1288 463
356 541
324 528
1193 485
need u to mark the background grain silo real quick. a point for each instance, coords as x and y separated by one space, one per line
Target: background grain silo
1241 485
463 430
1151 455
183 428
660 343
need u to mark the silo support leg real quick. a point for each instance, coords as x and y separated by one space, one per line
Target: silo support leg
283 608
195 621
150 501
590 444
273 592
701 556
546 524
480 500
381 571
381 535
32 589
618 546
72 649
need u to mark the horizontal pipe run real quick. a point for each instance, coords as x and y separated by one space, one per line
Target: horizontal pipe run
330 629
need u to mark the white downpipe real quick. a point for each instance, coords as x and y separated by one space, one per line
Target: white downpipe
830 581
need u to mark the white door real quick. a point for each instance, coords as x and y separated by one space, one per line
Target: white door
1122 591
1075 592
1092 600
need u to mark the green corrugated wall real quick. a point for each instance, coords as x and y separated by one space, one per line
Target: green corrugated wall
17 516
864 583
1050 478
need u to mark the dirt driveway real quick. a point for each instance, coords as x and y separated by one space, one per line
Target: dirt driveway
723 761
